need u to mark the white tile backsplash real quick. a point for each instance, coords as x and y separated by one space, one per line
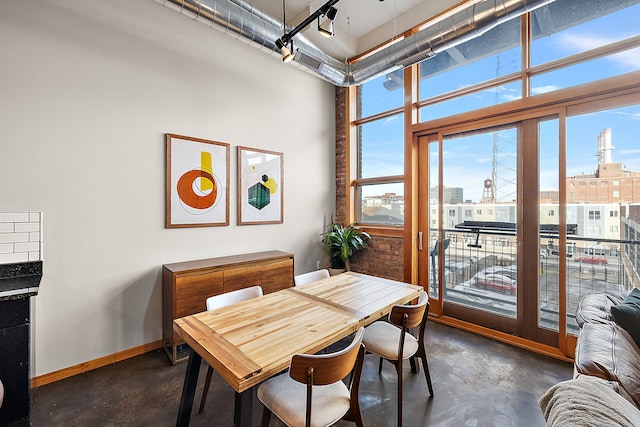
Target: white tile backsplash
20 237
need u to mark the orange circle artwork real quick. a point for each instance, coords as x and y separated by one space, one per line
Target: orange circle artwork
190 197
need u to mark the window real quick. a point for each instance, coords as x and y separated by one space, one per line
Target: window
593 230
616 194
379 187
566 33
493 55
378 137
467 90
381 203
381 94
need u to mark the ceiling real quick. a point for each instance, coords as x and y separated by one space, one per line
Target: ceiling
446 25
360 25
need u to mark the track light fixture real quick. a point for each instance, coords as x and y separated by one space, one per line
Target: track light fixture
326 10
287 54
326 28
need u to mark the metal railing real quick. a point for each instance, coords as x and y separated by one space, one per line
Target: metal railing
481 265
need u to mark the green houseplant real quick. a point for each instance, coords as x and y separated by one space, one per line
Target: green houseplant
341 241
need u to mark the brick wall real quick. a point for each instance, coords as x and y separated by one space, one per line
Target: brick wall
384 256
341 155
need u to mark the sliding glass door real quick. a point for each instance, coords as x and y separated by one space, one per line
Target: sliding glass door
482 244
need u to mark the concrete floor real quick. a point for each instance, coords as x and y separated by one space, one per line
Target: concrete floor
478 382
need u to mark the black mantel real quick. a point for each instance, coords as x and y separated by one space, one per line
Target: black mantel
18 283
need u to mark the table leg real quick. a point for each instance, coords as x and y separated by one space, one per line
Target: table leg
189 389
242 408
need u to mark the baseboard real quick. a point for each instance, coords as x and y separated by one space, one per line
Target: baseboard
505 338
93 364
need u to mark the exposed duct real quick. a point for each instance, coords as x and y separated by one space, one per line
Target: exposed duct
239 19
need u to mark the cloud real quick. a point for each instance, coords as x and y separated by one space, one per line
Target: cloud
629 152
631 116
390 120
580 42
543 89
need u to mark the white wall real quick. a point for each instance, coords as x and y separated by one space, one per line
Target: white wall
88 88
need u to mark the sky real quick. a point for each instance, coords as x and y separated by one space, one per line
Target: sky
468 161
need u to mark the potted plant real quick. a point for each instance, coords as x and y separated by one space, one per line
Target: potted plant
341 241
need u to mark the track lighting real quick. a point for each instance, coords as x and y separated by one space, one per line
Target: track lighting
327 10
287 54
326 28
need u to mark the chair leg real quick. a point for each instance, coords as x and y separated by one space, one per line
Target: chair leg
354 414
414 365
399 370
205 390
266 416
427 375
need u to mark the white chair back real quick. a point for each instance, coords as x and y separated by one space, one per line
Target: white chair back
233 297
312 276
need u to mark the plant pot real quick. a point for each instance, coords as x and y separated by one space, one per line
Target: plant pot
336 271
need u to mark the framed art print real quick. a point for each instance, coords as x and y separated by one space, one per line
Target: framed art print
260 186
197 182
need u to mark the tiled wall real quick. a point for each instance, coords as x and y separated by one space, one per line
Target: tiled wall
20 237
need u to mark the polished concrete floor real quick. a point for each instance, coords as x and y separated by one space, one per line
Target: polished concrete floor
478 382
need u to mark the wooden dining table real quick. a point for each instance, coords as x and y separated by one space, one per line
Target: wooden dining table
249 342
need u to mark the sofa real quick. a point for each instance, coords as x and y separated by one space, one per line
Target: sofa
605 390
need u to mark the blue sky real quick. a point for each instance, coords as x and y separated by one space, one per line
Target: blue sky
468 161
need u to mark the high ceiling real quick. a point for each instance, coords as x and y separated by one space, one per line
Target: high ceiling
360 24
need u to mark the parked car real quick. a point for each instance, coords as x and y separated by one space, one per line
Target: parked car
592 260
510 271
496 282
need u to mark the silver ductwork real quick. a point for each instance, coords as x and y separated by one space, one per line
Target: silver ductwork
242 21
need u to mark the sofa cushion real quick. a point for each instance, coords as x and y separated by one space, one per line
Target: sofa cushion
627 315
587 401
596 307
608 352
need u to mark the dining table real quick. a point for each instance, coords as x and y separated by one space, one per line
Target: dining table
253 340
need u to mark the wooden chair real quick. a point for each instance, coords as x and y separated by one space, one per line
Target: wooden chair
224 300
392 341
312 276
296 398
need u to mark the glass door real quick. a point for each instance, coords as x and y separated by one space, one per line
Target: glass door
481 197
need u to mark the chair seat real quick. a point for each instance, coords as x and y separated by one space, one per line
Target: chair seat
286 398
382 339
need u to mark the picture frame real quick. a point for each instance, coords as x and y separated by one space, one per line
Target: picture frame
197 182
260 186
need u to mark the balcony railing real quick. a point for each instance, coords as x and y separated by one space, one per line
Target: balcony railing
480 270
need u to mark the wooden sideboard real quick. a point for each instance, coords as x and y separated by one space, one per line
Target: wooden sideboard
187 285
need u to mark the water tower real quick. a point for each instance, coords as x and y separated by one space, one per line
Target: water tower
488 195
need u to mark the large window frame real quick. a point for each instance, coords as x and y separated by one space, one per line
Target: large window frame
413 105
614 91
